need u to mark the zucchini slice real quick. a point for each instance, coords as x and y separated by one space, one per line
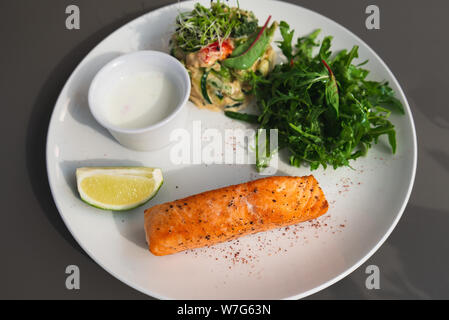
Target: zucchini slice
204 87
233 106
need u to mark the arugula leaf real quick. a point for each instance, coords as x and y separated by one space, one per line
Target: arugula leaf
325 109
306 45
332 97
325 48
286 44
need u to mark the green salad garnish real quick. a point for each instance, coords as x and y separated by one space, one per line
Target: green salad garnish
203 26
325 110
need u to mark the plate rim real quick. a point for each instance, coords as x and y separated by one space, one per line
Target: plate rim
328 283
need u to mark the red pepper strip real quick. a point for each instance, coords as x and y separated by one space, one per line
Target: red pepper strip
225 49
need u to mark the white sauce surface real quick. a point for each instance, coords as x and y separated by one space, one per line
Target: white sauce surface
140 100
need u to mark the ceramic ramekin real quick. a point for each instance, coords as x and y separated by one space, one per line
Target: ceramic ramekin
156 135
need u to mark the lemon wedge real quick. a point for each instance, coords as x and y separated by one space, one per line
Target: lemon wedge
118 188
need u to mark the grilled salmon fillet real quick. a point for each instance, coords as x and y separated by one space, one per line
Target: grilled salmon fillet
231 212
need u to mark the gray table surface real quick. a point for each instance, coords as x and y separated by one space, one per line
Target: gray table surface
37 55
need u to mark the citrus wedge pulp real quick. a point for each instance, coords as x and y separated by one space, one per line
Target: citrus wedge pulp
118 188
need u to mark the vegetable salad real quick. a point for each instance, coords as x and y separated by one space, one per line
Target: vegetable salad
222 47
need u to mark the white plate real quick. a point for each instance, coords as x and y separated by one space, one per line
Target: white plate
365 203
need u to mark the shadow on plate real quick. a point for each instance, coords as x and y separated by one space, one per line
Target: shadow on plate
77 104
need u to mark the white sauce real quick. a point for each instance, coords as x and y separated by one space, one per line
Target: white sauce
140 100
